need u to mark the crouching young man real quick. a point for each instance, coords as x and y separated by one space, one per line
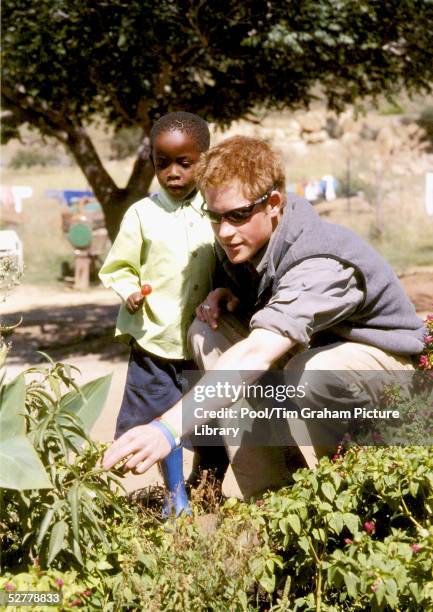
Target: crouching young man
296 292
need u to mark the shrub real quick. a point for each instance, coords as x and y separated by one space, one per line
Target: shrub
357 534
125 142
27 158
54 496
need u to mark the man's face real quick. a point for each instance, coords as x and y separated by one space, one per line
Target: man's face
175 154
241 242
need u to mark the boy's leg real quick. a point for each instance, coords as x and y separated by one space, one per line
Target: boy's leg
152 387
176 500
150 390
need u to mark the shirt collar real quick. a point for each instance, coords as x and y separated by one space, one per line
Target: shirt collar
264 258
172 205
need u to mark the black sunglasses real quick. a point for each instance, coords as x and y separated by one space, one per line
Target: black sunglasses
237 215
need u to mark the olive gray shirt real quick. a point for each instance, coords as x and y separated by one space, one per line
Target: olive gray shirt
314 295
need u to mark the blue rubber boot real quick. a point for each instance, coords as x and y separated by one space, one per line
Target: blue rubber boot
176 499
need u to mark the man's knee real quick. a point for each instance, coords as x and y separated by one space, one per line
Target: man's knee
323 358
205 344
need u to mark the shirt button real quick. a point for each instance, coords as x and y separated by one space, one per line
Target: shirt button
194 253
191 224
195 287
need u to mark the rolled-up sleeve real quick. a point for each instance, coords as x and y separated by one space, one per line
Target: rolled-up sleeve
312 296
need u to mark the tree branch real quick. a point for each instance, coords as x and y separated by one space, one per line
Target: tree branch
48 121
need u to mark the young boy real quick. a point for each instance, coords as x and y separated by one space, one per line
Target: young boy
164 242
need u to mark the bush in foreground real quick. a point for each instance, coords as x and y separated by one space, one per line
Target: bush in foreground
356 534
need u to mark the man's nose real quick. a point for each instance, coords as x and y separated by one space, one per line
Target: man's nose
225 230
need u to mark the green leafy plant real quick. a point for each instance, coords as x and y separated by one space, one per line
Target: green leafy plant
55 497
356 534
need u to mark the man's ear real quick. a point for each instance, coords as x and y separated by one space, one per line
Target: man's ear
275 203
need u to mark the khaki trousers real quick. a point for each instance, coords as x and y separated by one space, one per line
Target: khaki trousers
256 469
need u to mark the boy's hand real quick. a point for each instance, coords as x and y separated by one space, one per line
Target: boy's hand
134 302
210 310
145 444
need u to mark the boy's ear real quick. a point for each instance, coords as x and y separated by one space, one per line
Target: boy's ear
275 203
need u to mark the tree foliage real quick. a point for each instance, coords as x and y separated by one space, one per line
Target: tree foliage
67 63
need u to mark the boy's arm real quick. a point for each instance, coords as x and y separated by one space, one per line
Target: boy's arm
121 269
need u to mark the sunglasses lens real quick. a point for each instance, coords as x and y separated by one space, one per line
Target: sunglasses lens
242 214
214 217
238 215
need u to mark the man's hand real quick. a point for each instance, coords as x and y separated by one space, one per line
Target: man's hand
134 302
144 445
210 310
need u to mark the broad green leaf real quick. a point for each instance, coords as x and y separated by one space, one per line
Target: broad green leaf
88 404
294 522
12 408
414 488
336 523
57 540
415 590
328 491
351 582
21 467
77 551
351 521
267 581
324 507
319 534
391 592
304 544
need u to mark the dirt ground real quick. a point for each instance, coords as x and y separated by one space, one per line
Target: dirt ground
77 327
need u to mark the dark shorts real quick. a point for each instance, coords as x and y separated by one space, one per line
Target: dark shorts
153 385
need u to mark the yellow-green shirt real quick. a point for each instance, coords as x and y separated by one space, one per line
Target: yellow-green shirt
169 245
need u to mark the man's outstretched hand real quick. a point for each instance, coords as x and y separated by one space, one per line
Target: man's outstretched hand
144 445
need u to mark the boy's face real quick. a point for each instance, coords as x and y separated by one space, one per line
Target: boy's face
175 154
241 242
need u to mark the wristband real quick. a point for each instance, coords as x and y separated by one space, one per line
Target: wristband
168 431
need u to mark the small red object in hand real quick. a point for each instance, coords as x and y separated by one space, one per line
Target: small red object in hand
146 290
